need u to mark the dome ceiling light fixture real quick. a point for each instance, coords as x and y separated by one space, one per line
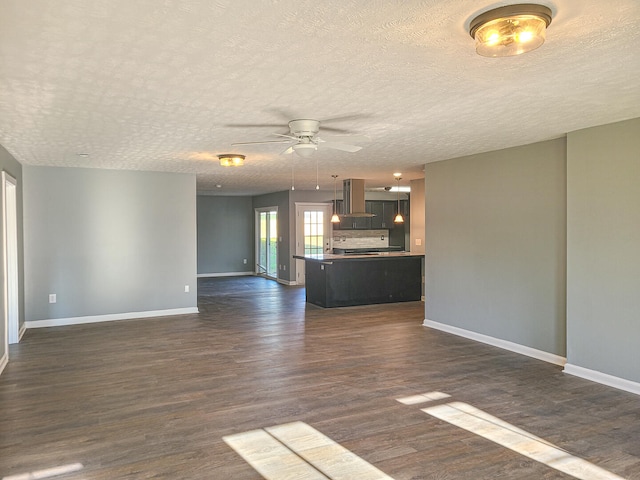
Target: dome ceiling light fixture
231 160
305 149
510 30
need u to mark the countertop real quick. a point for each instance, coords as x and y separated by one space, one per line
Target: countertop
332 257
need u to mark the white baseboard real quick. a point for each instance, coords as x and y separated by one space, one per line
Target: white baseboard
603 378
497 342
286 282
3 361
225 274
57 322
21 330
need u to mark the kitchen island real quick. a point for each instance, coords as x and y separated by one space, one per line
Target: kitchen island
345 280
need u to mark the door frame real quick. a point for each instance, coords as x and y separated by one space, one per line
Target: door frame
327 208
11 294
257 270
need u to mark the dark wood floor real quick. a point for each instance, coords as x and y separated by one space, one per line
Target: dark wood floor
152 398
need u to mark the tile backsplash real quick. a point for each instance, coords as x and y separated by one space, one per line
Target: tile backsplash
361 238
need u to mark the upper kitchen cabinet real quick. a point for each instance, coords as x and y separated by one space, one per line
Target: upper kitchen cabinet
348 222
384 212
355 223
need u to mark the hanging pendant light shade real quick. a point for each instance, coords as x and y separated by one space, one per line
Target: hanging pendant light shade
334 217
399 218
510 30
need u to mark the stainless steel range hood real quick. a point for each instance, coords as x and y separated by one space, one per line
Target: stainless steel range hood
353 196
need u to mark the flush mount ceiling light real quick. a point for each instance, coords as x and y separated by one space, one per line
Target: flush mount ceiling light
231 160
510 30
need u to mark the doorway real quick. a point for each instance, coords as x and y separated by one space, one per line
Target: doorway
10 254
267 242
313 233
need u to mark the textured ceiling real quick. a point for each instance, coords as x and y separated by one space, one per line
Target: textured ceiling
163 85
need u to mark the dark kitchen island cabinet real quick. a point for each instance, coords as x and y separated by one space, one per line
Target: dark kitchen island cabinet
347 280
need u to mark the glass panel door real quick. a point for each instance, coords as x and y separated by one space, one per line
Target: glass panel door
268 243
313 233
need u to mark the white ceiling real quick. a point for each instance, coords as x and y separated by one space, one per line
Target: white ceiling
157 85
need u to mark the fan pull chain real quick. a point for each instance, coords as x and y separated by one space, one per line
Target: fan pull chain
292 178
317 182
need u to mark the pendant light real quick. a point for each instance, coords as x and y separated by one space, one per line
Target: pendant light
398 218
334 217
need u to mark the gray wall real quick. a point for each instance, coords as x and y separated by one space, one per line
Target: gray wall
495 244
108 241
13 168
416 219
603 244
225 234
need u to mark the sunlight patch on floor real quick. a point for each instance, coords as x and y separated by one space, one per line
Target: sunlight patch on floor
423 398
47 472
492 428
297 450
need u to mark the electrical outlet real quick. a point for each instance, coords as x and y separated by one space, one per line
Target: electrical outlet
244 261
418 241
186 289
52 298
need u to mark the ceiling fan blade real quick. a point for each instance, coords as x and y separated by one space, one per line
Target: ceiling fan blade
335 130
287 151
260 143
286 136
344 118
340 146
254 125
340 138
282 113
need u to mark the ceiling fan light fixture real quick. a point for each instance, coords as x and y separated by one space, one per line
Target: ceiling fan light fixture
510 30
231 160
305 149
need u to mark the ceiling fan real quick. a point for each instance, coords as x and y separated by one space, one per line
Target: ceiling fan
303 139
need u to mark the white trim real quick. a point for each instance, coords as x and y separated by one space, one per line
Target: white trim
498 342
3 361
10 259
286 282
225 274
57 322
23 328
603 378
